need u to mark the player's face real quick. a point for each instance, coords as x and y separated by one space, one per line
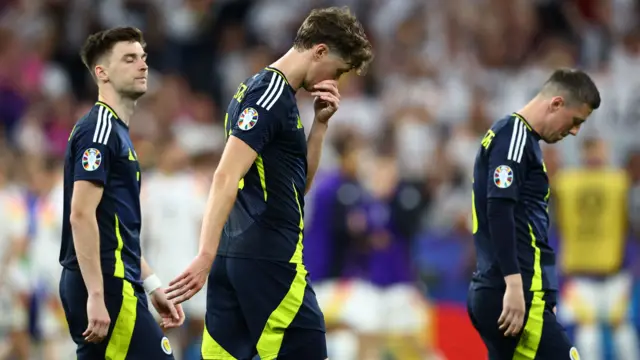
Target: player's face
564 120
325 65
127 69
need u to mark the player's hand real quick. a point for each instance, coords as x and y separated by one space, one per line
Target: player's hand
187 284
327 100
513 311
98 318
171 314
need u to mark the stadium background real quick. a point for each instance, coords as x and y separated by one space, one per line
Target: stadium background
407 132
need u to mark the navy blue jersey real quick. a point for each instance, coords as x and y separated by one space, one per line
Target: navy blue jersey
266 221
100 150
509 165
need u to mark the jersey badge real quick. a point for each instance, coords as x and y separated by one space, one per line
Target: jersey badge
91 159
248 119
166 346
503 176
573 354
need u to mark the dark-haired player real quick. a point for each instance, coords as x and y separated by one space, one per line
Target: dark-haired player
259 299
513 292
105 276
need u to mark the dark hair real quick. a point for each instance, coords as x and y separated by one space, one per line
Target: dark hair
576 85
101 43
339 29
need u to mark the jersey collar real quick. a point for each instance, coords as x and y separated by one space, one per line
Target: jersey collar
113 112
533 132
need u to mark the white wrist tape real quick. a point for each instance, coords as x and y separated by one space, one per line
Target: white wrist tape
151 283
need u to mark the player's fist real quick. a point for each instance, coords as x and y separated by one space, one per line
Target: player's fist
187 284
98 319
513 311
327 100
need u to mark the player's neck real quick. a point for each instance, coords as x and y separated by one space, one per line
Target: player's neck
293 66
533 113
124 107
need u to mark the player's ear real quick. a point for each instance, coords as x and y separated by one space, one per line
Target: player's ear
320 51
101 73
557 102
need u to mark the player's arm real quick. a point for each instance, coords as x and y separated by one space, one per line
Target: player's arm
507 161
325 104
92 145
86 236
239 154
314 151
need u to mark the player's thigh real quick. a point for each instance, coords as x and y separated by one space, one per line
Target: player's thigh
554 342
278 304
73 295
226 335
147 341
484 307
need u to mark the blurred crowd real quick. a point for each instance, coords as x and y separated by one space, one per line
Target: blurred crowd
391 204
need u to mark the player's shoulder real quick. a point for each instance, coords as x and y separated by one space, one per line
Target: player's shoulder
510 133
97 125
269 90
510 129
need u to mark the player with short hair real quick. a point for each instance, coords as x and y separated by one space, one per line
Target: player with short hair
259 299
105 277
513 293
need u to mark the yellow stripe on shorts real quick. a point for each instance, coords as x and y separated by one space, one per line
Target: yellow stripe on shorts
125 323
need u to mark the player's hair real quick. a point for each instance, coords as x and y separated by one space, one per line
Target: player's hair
101 43
339 29
575 85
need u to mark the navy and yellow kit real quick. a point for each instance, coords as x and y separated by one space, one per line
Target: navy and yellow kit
259 300
100 151
510 201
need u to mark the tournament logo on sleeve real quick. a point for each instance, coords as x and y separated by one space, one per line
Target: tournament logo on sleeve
91 159
248 119
503 176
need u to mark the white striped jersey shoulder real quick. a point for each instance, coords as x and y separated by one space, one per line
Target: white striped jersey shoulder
98 126
511 136
518 139
103 125
267 91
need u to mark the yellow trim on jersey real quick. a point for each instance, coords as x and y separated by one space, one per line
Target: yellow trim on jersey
125 323
523 120
273 333
211 350
71 133
528 345
263 180
277 72
119 268
108 108
297 255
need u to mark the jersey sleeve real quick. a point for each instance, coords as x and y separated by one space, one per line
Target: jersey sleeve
507 161
262 115
93 148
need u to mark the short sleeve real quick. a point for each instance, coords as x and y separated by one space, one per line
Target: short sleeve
262 115
93 145
507 161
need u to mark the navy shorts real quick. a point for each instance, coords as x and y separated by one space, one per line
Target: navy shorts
261 307
542 337
133 333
